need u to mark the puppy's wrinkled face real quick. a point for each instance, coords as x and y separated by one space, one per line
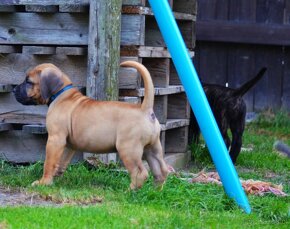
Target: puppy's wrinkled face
28 92
39 85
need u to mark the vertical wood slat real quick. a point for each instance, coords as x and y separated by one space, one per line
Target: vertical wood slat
104 49
286 80
241 68
268 91
287 13
212 67
212 9
206 9
104 52
244 10
270 11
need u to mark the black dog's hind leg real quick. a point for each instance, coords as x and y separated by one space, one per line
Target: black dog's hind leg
237 128
226 139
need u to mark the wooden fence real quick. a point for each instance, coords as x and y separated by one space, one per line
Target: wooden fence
235 38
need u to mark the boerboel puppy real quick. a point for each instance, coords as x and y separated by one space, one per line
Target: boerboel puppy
229 110
76 122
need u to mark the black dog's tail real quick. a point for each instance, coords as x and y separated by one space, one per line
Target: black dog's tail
247 86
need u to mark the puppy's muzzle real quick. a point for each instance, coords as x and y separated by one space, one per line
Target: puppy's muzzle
21 95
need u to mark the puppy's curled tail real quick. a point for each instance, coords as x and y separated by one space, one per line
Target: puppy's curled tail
148 100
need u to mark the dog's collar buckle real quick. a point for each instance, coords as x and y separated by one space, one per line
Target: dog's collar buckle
53 97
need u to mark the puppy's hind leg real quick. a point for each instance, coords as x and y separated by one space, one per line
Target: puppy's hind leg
64 161
154 156
132 159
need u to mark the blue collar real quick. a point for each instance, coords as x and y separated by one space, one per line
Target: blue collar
53 97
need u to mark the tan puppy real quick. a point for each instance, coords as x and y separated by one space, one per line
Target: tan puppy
76 122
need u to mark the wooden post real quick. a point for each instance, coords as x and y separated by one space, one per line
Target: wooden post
104 52
104 49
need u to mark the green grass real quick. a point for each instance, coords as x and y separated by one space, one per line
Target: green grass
179 205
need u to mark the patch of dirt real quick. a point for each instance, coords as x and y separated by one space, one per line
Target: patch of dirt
9 197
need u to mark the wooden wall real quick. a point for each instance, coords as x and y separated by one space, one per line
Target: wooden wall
235 38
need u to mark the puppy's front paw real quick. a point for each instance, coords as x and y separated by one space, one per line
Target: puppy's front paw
42 182
35 183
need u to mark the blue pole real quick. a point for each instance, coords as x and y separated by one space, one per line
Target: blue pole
198 102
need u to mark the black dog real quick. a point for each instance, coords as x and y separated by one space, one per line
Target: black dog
229 110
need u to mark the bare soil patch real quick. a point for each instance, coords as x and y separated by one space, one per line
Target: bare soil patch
11 197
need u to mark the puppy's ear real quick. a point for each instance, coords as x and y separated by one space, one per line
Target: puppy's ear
50 82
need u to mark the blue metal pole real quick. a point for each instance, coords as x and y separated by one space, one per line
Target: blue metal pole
198 102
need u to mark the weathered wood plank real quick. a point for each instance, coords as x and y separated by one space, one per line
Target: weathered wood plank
241 68
159 70
160 108
20 147
17 146
129 78
41 8
185 6
145 51
287 13
71 51
268 91
34 129
133 30
134 2
22 118
140 2
176 140
7 8
140 29
136 10
103 49
286 81
174 123
4 49
173 76
126 99
32 28
270 11
4 88
251 33
217 55
74 8
178 106
148 12
38 50
158 91
14 67
46 2
207 9
5 127
242 10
